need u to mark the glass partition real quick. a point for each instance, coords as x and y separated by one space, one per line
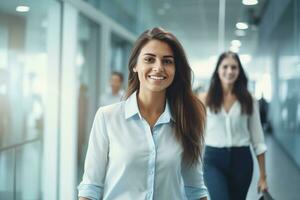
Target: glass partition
29 47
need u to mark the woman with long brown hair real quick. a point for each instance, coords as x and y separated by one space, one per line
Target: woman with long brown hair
150 145
233 125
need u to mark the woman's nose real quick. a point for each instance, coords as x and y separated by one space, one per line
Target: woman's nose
158 66
229 70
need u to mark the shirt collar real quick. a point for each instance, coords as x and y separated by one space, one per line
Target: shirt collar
131 106
132 109
165 116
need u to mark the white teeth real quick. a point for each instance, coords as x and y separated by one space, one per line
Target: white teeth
157 77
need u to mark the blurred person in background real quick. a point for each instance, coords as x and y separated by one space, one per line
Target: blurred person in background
233 124
115 94
149 146
263 113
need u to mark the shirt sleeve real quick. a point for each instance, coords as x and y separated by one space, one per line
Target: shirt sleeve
256 132
193 181
96 161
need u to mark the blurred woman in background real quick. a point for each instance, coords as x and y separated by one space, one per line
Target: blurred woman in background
233 125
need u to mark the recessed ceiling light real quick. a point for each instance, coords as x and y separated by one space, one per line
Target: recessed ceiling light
22 8
240 33
236 43
250 2
234 49
241 25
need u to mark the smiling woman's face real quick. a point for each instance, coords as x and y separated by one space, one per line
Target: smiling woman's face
228 70
155 67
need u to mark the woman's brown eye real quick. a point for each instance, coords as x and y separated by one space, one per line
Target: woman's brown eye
233 67
149 59
168 61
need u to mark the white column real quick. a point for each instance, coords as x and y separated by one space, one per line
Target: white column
51 137
105 57
68 109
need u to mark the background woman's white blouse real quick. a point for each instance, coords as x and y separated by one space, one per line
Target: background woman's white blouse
234 129
126 160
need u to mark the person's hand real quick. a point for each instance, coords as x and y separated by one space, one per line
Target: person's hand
262 184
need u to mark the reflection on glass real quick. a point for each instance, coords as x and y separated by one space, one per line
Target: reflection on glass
22 73
289 105
28 171
87 68
287 128
24 58
289 80
4 106
7 174
120 53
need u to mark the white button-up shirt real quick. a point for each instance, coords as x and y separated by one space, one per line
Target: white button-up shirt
126 160
234 129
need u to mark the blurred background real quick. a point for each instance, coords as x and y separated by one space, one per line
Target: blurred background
56 57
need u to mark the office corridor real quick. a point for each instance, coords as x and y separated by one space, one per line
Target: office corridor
283 175
62 59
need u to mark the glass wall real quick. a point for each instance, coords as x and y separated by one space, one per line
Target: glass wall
51 71
120 51
87 64
289 98
289 81
285 53
29 47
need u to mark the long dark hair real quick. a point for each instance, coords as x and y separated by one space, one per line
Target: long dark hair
188 112
214 97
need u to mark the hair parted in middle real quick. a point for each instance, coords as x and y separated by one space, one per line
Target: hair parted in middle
187 110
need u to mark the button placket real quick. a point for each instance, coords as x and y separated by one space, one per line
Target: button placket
152 158
228 130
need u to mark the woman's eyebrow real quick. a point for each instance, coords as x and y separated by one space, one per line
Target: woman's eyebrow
151 54
168 56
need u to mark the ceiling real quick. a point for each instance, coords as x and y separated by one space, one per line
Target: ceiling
195 23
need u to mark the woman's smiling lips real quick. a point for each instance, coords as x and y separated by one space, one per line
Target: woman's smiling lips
157 77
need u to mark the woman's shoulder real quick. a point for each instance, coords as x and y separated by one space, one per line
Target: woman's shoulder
112 109
202 96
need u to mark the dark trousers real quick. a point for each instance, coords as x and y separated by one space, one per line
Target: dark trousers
228 172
